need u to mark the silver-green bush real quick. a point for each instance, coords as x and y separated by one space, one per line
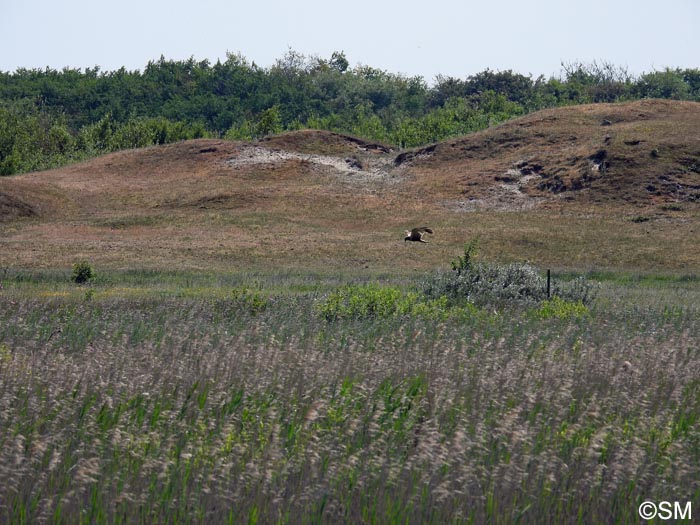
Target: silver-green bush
502 284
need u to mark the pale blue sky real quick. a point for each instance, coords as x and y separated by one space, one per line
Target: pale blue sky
413 38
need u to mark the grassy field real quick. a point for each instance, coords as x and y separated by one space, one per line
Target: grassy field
153 397
554 187
259 345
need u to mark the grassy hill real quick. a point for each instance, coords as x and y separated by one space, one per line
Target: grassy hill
596 187
642 153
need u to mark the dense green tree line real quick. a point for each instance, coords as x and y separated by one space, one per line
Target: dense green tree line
50 117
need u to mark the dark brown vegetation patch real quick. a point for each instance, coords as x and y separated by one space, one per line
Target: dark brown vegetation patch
11 207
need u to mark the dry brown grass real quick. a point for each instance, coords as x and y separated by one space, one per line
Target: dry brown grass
186 206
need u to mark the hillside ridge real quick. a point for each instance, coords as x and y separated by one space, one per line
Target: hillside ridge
641 152
314 197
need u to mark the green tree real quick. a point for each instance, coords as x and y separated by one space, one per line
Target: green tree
339 62
269 122
668 84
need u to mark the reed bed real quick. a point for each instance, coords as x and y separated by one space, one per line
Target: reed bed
178 409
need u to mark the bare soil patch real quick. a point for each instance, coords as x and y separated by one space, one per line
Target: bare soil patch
353 167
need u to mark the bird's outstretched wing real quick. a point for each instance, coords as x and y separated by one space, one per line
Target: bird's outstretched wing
418 231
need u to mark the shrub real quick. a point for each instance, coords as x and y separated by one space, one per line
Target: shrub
464 262
488 284
82 272
494 284
360 301
562 309
374 301
251 300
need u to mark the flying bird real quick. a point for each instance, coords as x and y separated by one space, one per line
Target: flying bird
416 234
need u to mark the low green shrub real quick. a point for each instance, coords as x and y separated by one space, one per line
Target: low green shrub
464 262
82 272
374 301
360 301
559 308
251 300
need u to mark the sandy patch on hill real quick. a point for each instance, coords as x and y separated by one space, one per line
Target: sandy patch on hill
365 169
507 195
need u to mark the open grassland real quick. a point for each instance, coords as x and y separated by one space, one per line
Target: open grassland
556 187
189 398
270 242
257 346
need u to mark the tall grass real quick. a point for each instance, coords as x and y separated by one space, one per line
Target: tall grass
180 409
